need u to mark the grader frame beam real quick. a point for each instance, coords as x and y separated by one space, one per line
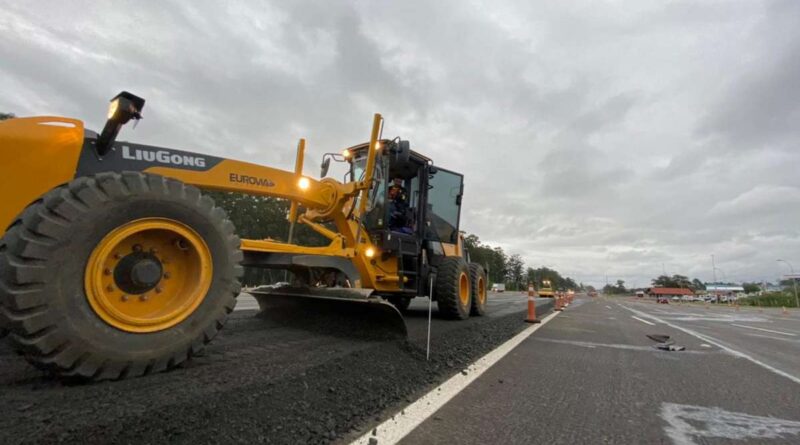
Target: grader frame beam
73 154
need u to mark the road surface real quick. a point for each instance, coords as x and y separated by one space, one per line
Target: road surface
259 381
591 375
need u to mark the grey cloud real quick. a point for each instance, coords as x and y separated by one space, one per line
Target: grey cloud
594 140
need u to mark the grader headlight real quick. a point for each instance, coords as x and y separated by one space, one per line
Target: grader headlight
304 183
370 252
112 108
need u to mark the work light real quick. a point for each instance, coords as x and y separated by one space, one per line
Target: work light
123 107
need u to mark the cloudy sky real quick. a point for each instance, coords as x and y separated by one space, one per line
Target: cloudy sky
600 138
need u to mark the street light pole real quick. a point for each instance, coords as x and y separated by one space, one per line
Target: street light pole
794 282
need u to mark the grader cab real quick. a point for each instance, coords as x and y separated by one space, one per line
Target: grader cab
114 263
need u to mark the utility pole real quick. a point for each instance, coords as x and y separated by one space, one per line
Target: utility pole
794 282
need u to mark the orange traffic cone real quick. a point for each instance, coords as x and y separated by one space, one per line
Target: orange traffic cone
532 310
559 306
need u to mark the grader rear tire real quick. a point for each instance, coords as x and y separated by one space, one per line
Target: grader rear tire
452 290
118 275
477 277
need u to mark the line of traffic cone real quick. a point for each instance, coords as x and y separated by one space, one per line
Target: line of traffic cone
560 304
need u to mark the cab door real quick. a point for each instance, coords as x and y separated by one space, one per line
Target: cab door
445 189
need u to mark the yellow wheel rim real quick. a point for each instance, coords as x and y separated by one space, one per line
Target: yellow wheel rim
148 275
481 290
463 289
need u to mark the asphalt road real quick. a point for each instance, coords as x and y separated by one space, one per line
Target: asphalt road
260 381
591 375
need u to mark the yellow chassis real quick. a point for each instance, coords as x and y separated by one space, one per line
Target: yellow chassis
41 153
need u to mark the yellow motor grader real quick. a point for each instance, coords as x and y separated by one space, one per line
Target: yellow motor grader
547 289
114 263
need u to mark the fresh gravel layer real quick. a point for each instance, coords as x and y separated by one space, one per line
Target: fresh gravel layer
259 382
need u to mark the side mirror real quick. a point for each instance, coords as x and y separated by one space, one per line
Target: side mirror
326 164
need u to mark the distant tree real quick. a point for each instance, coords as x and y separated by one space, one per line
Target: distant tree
751 288
4 116
679 281
617 289
515 270
698 285
493 259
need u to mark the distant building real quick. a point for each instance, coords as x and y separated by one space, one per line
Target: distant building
668 292
724 290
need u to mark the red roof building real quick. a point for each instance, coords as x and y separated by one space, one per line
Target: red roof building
668 291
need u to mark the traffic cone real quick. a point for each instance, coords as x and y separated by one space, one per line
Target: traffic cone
532 310
557 303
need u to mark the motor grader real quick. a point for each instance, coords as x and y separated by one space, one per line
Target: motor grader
114 263
547 289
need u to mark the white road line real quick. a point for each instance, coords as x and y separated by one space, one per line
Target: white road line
608 306
398 427
593 345
716 343
790 340
765 330
643 321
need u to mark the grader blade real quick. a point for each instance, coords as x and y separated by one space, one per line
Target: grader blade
346 312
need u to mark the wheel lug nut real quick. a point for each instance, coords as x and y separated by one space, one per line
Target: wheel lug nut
167 275
110 288
154 251
106 271
117 256
143 297
124 298
137 247
159 290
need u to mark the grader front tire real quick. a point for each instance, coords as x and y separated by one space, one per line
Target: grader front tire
118 275
452 290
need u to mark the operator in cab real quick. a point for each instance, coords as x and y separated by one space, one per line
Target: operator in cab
398 207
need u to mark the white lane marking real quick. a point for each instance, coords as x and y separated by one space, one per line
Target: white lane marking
790 340
687 422
643 321
593 345
765 330
705 345
608 306
717 343
396 428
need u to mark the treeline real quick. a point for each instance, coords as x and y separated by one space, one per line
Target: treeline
511 269
678 281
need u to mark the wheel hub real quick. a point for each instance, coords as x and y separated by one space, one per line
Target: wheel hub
138 272
148 275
